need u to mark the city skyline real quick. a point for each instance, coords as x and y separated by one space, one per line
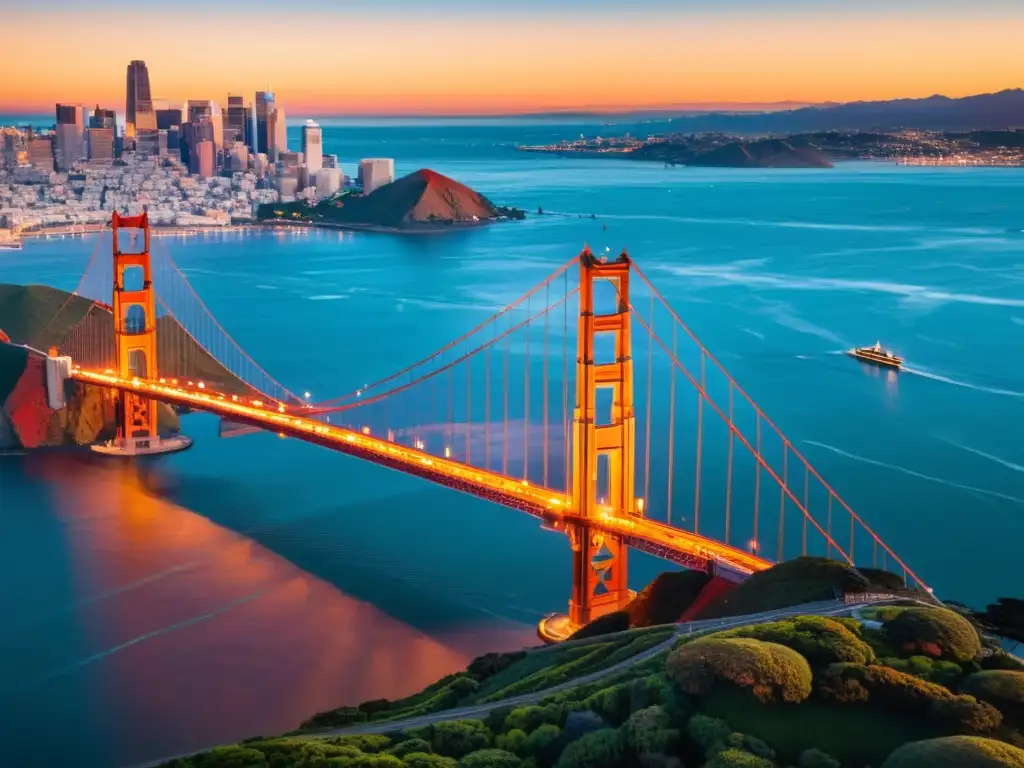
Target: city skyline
480 59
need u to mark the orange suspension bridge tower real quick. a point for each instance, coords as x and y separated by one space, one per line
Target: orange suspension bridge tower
134 313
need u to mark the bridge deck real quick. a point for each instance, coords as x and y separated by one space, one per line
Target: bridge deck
555 507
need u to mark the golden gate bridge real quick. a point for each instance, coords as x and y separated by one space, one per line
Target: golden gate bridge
587 402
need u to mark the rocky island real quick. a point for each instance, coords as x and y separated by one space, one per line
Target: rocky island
424 201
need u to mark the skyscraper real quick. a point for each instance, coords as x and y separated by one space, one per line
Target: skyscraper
70 146
264 113
138 114
201 160
234 121
312 146
277 134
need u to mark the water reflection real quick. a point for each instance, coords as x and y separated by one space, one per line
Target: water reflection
172 633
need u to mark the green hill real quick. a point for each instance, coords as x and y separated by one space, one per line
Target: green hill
808 691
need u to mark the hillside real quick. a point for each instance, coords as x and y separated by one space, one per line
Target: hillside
993 111
768 153
27 318
917 688
422 200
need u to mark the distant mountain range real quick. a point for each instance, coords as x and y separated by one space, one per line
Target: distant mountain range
935 113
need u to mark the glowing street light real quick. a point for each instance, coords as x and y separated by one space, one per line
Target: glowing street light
640 506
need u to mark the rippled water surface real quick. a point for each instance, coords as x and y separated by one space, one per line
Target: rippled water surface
238 587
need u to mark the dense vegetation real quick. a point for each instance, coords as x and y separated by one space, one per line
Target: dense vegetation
808 691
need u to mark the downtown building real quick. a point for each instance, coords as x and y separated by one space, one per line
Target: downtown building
313 146
139 114
375 172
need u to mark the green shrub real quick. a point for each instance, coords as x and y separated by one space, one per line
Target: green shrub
512 741
530 717
600 749
709 733
815 758
490 758
617 621
935 632
490 664
364 742
371 761
457 738
933 670
410 746
751 744
956 752
1003 689
818 639
647 732
1002 660
737 758
965 715
773 672
231 757
427 760
544 744
854 683
612 703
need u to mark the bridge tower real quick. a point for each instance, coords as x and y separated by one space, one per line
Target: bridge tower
134 310
603 445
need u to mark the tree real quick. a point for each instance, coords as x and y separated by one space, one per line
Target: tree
458 738
956 752
600 749
935 632
490 758
772 672
1003 689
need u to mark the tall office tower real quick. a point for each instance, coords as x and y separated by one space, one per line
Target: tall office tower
201 159
138 113
174 141
277 134
234 121
312 146
193 133
264 114
199 109
69 146
101 144
376 172
15 150
168 118
40 152
103 118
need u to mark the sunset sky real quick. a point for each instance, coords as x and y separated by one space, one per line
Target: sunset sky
379 57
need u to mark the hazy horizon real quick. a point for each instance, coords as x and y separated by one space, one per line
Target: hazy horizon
462 58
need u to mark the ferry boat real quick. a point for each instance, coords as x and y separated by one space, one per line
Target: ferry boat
877 355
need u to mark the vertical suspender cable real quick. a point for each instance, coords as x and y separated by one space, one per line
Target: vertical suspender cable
807 508
469 409
544 376
671 425
782 500
757 482
828 529
567 445
700 441
650 408
526 399
504 421
728 471
487 408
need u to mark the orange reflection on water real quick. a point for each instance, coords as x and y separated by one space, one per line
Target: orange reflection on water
211 637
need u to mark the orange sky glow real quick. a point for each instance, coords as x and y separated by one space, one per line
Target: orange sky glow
477 64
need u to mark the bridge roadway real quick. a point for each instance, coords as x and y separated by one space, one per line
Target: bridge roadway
480 711
554 507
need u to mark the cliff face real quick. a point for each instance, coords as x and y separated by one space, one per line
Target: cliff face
28 422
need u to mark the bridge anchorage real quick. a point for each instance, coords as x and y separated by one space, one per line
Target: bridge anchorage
577 446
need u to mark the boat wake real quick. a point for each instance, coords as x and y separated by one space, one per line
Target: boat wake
991 457
925 373
912 473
